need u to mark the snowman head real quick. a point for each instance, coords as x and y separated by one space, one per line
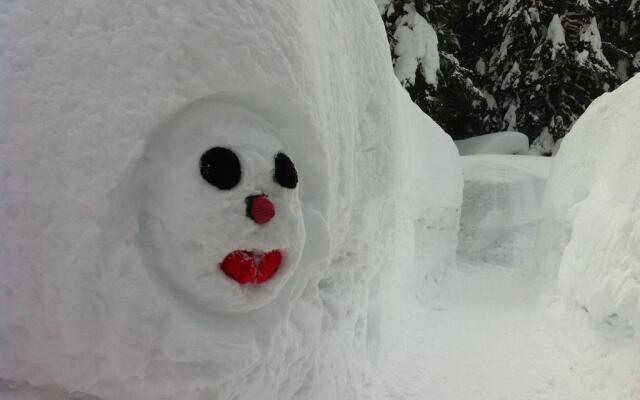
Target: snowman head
219 218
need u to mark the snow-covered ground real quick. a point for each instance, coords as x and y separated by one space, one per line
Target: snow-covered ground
486 334
496 328
502 206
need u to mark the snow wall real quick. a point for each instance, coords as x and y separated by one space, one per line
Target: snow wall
111 240
591 232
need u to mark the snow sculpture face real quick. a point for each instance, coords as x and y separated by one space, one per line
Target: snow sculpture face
220 223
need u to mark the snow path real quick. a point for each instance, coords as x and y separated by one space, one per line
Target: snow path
498 330
485 334
486 337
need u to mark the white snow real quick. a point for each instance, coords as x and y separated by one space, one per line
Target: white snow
555 34
417 47
111 240
582 57
507 8
590 234
178 214
495 328
486 334
512 78
504 47
591 34
501 207
511 116
544 143
494 143
481 67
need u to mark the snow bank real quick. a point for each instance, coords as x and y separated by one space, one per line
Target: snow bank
111 239
501 208
494 143
592 206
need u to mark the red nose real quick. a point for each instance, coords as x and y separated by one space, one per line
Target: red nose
260 209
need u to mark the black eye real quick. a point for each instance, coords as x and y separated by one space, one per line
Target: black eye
285 173
220 167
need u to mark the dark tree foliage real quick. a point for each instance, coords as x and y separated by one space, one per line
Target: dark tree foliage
527 65
547 68
620 30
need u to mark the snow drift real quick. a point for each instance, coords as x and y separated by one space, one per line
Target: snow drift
109 278
591 233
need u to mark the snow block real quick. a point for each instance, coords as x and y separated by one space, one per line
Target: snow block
591 233
502 207
113 237
494 143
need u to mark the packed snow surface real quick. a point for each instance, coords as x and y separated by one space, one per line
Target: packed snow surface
494 143
591 232
501 208
111 239
487 333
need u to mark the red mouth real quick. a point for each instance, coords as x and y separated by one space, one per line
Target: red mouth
245 266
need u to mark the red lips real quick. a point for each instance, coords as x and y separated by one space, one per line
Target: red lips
251 266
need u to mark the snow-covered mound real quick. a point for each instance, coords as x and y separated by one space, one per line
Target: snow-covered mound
592 205
501 207
494 143
115 221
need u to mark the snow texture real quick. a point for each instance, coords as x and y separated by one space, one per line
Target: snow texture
555 34
109 278
544 144
512 78
493 320
494 143
501 208
591 233
417 47
591 34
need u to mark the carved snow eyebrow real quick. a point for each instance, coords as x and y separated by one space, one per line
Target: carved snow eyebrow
220 167
285 174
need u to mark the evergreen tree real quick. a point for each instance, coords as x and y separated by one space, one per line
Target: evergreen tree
620 29
548 66
424 51
570 68
478 37
480 66
509 61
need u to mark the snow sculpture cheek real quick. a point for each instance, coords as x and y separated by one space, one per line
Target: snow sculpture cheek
211 235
